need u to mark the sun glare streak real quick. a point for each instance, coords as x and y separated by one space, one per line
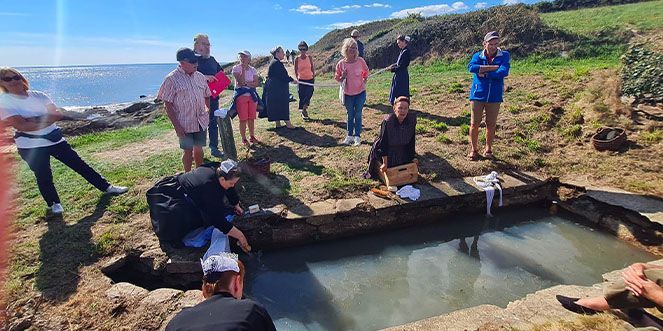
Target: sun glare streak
59 31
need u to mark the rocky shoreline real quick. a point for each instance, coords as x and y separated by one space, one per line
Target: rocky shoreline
98 118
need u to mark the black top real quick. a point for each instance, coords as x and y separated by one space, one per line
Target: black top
208 66
212 201
276 92
360 48
397 140
403 60
223 312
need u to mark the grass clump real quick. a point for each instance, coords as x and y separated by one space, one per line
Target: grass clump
442 138
652 137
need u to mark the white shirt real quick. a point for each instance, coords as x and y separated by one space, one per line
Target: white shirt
33 105
249 74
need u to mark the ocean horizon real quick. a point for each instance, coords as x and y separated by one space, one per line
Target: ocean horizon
113 86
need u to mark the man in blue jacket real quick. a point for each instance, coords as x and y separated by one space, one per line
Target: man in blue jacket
489 67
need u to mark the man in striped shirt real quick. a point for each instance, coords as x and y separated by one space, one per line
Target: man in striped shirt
186 95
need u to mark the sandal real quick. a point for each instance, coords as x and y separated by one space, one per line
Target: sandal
254 140
473 156
489 155
245 142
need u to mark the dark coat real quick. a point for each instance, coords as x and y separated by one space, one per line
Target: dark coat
276 95
396 141
400 83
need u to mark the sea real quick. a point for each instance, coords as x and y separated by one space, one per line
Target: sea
113 86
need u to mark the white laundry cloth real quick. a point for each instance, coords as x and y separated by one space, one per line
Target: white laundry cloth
489 183
200 236
408 191
219 244
222 112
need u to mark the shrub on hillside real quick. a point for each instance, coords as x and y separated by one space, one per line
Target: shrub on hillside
642 74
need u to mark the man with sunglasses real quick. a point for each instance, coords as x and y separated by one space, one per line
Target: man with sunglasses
186 96
360 46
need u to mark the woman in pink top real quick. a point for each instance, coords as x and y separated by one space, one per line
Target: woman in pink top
305 73
246 78
352 72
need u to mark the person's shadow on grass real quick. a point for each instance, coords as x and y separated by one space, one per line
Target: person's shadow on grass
64 248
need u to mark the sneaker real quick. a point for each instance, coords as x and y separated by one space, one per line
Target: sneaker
348 140
357 141
305 114
116 189
56 208
217 153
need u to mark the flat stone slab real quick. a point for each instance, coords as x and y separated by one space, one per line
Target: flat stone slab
646 206
126 291
160 296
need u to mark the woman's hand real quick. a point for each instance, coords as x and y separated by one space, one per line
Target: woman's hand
383 167
238 209
210 78
241 239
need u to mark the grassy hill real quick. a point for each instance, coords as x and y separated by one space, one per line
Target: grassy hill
553 104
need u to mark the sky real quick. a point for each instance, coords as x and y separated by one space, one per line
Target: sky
70 32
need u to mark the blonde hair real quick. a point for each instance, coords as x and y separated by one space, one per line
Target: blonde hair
5 70
199 36
347 43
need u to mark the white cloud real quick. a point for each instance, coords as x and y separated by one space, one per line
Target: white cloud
350 7
481 5
315 10
432 10
510 2
377 5
277 7
342 25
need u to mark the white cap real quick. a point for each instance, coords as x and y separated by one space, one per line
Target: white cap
227 165
224 261
244 52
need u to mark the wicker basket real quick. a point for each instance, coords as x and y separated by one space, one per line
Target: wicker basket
607 138
257 166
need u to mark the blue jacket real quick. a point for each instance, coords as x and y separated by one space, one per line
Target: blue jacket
491 87
241 91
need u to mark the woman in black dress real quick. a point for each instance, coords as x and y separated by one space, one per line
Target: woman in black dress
276 95
400 83
395 144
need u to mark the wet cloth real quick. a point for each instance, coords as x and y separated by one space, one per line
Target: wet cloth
276 95
396 141
400 82
408 191
489 183
201 236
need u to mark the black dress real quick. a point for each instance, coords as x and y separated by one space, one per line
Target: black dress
396 141
400 83
276 95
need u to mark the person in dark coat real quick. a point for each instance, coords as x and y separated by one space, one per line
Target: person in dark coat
203 197
395 144
223 307
276 92
400 83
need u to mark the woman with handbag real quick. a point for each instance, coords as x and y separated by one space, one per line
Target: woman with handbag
32 114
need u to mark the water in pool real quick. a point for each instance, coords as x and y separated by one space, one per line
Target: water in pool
387 279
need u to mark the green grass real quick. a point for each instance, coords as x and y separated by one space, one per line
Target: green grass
652 137
641 16
118 138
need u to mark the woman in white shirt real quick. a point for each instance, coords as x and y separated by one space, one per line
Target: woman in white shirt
32 114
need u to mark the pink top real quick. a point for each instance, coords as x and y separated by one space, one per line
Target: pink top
356 74
304 70
249 75
187 93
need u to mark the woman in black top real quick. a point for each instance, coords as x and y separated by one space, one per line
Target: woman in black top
395 144
400 83
276 95
202 197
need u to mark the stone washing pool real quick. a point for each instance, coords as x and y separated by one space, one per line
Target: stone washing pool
386 279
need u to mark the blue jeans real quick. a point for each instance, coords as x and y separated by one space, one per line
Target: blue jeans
213 128
354 104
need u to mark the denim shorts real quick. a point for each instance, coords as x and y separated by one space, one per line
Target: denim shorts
193 139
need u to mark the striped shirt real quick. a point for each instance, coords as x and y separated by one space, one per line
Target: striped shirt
187 93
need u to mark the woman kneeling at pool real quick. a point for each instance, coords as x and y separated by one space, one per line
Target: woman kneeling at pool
203 197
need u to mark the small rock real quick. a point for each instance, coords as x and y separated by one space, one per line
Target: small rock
160 296
126 291
537 104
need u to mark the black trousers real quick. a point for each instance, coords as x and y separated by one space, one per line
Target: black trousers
39 161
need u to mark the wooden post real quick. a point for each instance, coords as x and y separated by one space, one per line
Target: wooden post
227 138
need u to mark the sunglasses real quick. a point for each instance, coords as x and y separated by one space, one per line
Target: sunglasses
303 49
9 79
